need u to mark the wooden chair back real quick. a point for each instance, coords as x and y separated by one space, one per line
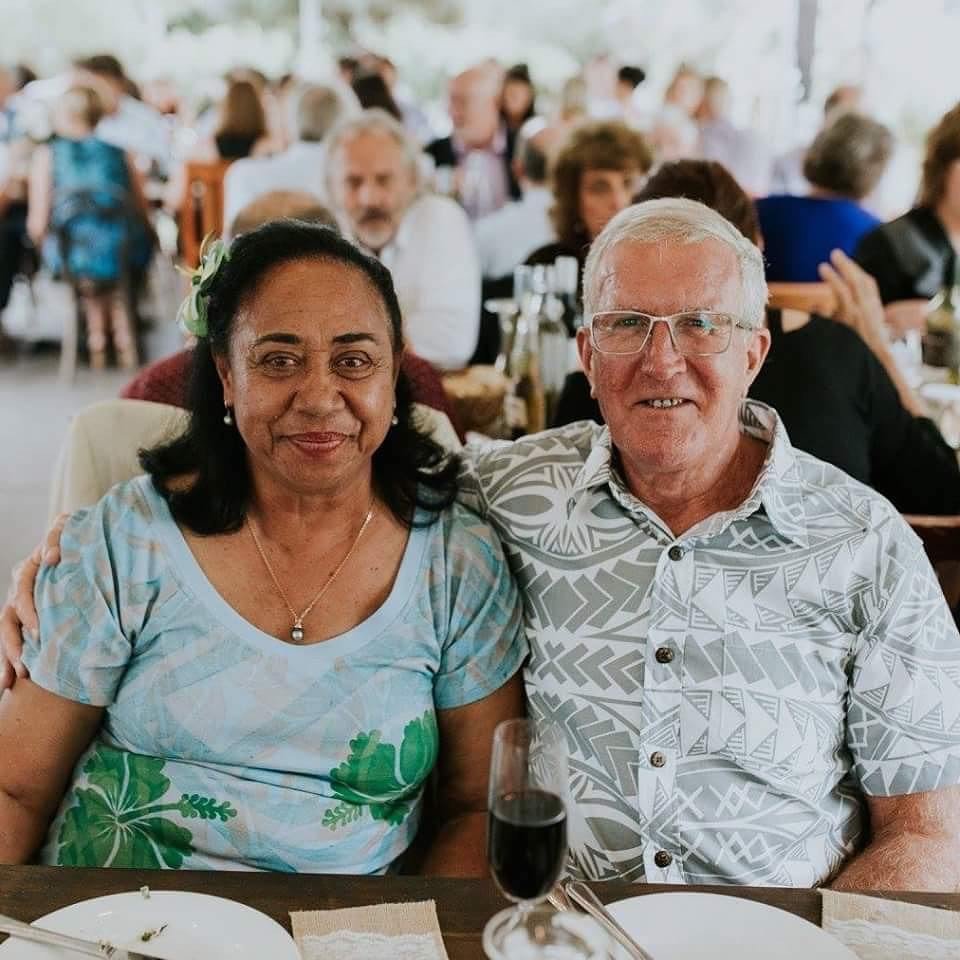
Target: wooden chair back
941 540
809 297
202 211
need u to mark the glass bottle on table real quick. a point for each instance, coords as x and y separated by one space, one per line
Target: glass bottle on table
567 276
525 404
941 337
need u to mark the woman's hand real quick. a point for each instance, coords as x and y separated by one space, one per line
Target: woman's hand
859 306
858 300
19 610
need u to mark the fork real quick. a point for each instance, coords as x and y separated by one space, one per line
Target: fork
103 949
570 892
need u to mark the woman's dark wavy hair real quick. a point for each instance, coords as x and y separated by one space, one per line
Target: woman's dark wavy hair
410 470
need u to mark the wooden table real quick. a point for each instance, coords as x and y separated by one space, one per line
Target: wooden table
463 906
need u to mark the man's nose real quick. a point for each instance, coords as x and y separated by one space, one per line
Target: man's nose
659 356
369 194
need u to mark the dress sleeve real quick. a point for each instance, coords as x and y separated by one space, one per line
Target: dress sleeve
485 643
903 717
875 254
93 604
911 464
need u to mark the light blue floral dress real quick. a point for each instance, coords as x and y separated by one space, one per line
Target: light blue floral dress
224 748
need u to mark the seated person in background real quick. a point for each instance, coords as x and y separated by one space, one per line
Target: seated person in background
107 238
837 390
844 163
747 649
241 131
373 185
478 152
739 149
166 380
912 256
299 167
594 176
510 234
180 714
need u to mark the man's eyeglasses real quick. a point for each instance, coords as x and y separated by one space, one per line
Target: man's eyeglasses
694 333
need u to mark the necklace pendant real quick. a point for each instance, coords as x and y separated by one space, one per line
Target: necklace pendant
296 634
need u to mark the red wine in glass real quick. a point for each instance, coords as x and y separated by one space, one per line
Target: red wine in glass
527 842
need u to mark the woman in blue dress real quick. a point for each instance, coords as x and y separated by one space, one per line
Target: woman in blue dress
86 195
254 656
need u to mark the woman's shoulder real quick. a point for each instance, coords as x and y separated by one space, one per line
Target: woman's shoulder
129 507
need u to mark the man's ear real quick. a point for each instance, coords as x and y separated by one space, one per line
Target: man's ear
757 350
585 352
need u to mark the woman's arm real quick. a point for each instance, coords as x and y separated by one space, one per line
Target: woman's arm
39 195
466 739
42 735
136 188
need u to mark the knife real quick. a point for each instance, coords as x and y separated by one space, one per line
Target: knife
24 931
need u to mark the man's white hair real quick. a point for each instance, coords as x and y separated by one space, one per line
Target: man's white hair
371 121
679 221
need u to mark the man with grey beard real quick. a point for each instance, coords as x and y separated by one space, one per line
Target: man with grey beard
373 185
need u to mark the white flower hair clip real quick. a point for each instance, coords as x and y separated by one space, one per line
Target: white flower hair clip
192 315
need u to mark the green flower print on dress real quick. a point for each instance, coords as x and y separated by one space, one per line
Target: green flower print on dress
375 777
116 821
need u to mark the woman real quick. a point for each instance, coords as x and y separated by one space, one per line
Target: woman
373 93
837 390
594 176
253 656
88 194
844 164
912 257
518 99
241 130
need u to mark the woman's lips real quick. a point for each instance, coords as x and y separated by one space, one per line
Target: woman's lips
318 443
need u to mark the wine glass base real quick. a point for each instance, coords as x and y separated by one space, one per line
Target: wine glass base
541 933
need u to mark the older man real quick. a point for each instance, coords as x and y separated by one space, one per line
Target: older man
755 667
426 241
479 150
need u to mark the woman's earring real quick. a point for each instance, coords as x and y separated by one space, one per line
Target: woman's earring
394 420
228 417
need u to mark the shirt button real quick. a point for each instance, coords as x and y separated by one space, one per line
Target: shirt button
676 552
657 759
662 859
664 655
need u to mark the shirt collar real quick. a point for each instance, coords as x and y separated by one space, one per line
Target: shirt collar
777 489
497 147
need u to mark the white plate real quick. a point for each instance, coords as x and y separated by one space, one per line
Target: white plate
199 927
709 926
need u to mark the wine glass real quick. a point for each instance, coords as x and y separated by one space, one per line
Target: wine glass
527 841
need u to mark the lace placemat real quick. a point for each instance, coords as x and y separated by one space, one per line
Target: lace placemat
385 931
877 929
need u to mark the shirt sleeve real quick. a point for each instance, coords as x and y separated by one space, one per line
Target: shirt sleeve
485 643
93 603
903 717
441 296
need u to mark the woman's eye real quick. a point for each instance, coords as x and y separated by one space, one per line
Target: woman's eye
354 363
280 361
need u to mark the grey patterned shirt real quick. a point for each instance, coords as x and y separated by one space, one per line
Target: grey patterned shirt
730 694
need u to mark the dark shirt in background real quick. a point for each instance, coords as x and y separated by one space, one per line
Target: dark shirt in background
910 257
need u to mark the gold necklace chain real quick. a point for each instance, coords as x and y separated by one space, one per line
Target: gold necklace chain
296 631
